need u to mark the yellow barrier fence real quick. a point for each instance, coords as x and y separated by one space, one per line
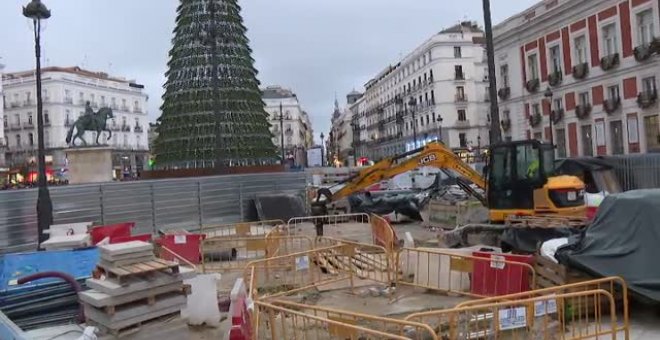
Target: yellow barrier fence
383 234
240 229
282 275
459 272
306 224
233 253
614 285
287 320
543 317
368 261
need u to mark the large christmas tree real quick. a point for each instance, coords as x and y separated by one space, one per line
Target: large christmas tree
212 90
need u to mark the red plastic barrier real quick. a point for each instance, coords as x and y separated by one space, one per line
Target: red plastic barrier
495 278
123 239
186 246
111 231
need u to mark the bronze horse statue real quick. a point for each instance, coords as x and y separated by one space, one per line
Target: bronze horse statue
94 122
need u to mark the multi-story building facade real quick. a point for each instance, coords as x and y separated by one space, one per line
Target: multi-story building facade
438 92
341 151
3 145
65 93
297 127
582 74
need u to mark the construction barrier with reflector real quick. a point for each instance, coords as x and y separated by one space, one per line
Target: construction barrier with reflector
240 229
459 272
543 317
287 320
233 253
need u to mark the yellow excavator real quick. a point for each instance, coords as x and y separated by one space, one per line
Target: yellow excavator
518 180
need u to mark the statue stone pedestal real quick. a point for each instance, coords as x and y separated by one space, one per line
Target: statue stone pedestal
89 164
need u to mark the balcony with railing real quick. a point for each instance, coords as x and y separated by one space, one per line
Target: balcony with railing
138 129
115 127
28 102
124 108
68 100
114 106
647 98
28 125
125 128
46 121
15 126
462 124
459 76
610 105
68 122
82 102
14 105
137 110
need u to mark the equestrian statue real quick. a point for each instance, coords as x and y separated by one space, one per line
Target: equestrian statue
90 121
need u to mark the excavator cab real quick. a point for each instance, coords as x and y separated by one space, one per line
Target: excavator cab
522 182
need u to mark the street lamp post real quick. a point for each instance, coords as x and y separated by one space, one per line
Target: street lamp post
548 95
412 103
281 118
37 11
322 161
495 131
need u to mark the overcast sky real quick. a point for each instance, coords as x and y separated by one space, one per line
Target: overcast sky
315 47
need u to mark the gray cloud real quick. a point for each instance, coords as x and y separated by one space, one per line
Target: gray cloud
316 48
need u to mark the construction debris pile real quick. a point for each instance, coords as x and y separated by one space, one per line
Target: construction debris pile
132 287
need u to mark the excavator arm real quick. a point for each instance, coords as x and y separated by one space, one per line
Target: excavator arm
433 155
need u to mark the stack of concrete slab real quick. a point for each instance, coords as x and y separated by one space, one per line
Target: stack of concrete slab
67 236
137 288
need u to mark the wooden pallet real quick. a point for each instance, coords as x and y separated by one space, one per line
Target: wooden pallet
132 329
545 222
150 300
121 273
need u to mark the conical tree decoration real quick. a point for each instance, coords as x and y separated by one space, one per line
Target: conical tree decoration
212 90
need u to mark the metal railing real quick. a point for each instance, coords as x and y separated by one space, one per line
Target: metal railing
153 205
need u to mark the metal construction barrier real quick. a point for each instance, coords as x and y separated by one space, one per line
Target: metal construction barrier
383 234
614 285
233 253
369 262
544 317
240 228
459 272
305 224
287 320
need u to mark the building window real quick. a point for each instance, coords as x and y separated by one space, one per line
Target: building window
587 145
609 39
555 59
462 140
600 133
4 121
616 133
613 92
30 139
103 100
560 137
421 121
536 109
584 99
460 92
645 27
633 132
67 95
462 116
580 49
47 138
457 52
17 119
46 117
125 140
458 72
18 140
123 121
652 132
30 118
533 67
558 104
504 75
648 85
427 120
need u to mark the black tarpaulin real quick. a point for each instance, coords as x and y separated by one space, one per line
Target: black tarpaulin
529 240
623 240
279 207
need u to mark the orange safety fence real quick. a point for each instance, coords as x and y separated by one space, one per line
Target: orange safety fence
614 285
278 319
369 262
305 224
383 234
254 228
543 317
457 271
233 253
283 275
